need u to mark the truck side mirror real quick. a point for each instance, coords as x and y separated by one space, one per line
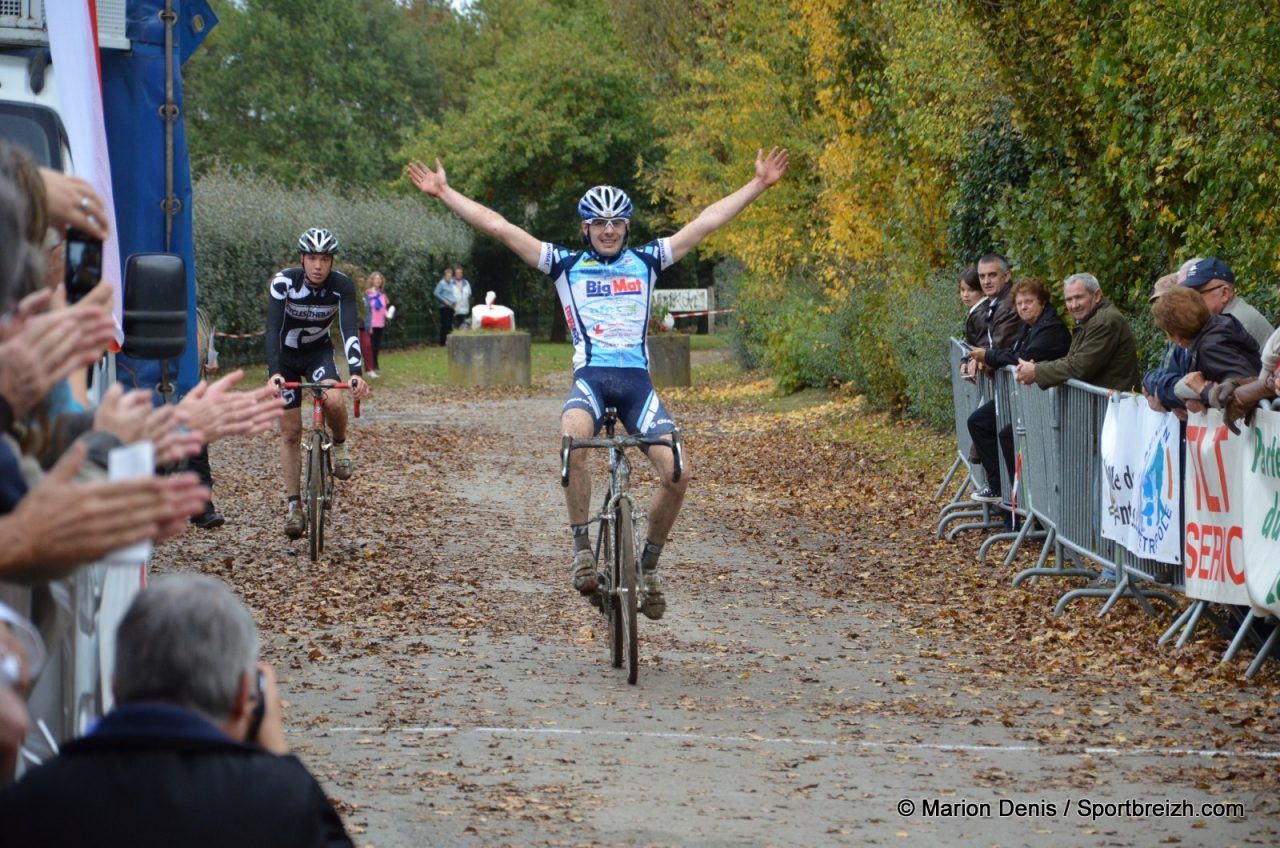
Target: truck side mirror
155 306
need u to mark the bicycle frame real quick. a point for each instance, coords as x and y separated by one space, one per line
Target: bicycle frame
316 456
617 594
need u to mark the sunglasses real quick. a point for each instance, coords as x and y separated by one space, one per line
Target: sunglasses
616 223
1212 290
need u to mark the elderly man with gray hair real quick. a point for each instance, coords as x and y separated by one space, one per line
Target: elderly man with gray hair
193 755
1103 351
1216 283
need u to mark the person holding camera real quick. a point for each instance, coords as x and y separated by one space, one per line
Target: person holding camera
194 752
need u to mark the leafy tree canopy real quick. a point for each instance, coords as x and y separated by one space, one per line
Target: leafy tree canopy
316 89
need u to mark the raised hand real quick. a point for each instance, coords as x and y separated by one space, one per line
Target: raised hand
62 523
39 350
428 181
124 414
769 169
217 412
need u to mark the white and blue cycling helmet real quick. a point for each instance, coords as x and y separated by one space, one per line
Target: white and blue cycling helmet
604 201
317 240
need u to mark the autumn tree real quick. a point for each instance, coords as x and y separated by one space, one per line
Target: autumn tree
305 90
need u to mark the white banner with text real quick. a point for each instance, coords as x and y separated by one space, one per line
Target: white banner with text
1141 479
1215 548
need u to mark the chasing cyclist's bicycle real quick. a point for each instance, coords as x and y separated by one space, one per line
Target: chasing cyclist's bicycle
618 586
317 463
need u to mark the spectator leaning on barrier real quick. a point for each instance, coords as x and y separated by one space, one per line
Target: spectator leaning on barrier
1216 283
1002 319
975 323
1103 351
1239 398
193 755
1218 346
1043 337
1158 383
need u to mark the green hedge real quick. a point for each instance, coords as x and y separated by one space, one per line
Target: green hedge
247 227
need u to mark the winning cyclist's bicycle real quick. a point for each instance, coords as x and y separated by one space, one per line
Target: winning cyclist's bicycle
317 463
618 586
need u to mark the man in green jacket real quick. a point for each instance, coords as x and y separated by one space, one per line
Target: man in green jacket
1103 351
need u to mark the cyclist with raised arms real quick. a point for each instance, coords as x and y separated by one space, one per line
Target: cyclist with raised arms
605 290
303 304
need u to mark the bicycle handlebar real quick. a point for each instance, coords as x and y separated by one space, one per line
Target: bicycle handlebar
318 387
568 444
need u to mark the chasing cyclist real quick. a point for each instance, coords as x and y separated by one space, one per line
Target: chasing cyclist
605 291
303 304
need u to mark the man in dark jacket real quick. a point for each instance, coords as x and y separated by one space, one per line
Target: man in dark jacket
194 755
1001 318
1043 336
1103 351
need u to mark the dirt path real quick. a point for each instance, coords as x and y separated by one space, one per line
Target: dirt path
448 689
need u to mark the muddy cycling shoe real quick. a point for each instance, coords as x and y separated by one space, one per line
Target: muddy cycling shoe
584 572
341 461
296 524
655 603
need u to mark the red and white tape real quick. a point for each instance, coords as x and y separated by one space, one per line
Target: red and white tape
700 314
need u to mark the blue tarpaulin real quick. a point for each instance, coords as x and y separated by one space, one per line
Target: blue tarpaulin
133 93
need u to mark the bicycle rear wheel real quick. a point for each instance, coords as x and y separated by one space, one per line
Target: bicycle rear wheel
315 496
625 553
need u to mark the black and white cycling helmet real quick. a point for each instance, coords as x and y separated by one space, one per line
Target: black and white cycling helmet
605 202
317 240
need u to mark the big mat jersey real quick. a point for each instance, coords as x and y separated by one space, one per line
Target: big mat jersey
606 302
298 318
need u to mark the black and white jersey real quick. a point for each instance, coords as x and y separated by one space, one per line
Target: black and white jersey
299 317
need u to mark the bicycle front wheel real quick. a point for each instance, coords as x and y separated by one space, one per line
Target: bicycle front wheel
625 553
610 601
315 496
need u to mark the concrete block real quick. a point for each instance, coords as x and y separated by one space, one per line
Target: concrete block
669 359
490 358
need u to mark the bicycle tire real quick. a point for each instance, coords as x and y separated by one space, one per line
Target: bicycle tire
609 606
625 552
315 497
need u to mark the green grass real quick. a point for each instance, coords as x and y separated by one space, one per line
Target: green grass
430 365
716 342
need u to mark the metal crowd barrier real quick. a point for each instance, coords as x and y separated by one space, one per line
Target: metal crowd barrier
1190 617
73 688
966 397
1037 439
1057 434
1014 502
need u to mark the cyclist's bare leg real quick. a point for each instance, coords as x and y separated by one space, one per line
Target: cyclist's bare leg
669 497
579 424
290 438
335 412
662 516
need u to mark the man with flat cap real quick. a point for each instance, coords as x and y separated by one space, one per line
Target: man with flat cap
1217 285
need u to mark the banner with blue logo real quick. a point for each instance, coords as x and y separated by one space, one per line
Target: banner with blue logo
1142 479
